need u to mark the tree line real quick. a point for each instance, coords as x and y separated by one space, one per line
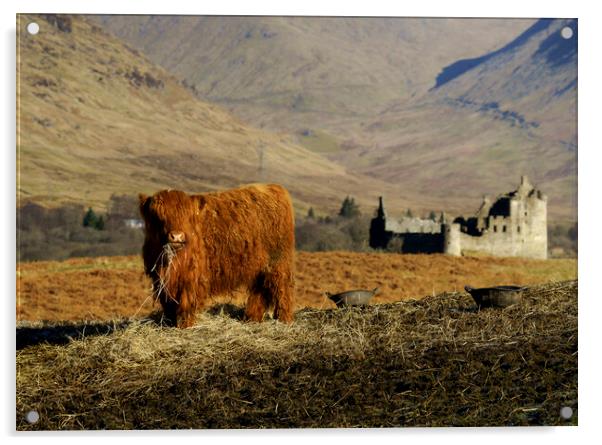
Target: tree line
72 231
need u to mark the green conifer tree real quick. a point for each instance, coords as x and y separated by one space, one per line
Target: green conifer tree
349 209
100 223
90 218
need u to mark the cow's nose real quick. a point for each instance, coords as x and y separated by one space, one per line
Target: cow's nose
175 237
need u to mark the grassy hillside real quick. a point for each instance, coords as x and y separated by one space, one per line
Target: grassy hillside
508 111
513 112
455 155
114 287
433 362
534 75
314 65
96 117
362 86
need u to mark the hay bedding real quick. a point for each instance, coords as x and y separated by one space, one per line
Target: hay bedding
432 362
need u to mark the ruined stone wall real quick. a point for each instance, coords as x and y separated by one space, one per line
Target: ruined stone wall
523 234
451 239
418 225
490 243
515 225
535 244
420 242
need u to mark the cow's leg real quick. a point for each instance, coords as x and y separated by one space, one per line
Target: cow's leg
186 310
258 301
186 319
256 306
279 284
170 308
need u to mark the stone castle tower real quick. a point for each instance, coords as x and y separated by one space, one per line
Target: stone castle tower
515 224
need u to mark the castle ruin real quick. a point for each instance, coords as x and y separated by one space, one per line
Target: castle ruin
515 224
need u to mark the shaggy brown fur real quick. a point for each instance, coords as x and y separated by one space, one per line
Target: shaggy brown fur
208 244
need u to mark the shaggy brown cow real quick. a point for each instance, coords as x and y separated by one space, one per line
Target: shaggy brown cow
207 244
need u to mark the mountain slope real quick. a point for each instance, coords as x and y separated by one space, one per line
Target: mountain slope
96 117
486 122
294 72
535 75
462 66
360 91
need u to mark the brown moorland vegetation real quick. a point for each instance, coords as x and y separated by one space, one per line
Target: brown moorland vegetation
329 83
106 288
431 362
96 117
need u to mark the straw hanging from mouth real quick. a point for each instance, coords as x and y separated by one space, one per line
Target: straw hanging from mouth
168 253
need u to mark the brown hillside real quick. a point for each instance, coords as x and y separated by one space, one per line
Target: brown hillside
97 117
514 111
358 91
328 67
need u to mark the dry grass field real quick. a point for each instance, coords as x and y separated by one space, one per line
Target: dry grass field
113 287
92 354
437 361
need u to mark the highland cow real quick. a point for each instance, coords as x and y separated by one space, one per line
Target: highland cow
197 246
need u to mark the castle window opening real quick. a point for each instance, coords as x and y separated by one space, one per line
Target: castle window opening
518 229
495 228
503 228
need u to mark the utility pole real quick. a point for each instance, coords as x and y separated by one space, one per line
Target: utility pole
261 161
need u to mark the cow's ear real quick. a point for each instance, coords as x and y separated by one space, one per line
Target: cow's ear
143 201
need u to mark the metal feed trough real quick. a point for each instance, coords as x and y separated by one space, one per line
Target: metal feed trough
359 297
498 296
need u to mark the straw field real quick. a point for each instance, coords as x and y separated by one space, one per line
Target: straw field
437 361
